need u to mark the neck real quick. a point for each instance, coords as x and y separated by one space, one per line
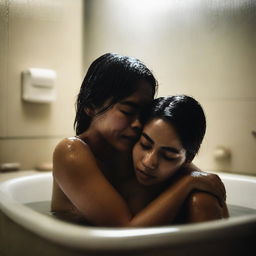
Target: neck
100 148
117 164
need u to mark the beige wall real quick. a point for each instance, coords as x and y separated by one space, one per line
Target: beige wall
42 34
202 48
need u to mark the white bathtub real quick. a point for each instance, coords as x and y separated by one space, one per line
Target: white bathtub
24 231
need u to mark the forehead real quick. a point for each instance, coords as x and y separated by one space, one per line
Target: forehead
162 133
142 96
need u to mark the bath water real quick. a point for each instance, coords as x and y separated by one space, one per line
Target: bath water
45 206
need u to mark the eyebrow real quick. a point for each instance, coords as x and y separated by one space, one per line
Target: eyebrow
130 104
147 138
169 149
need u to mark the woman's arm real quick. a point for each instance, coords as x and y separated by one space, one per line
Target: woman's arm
201 206
165 208
77 174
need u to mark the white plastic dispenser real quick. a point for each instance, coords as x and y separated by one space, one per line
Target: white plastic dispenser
38 85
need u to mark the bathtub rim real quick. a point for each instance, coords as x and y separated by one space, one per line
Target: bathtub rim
107 238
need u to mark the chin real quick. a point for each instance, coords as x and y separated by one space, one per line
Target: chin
124 148
145 183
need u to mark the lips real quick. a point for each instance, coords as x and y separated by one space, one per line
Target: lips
144 174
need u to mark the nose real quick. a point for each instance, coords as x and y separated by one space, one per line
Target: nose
136 124
150 160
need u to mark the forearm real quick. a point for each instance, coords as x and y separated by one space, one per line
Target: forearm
165 207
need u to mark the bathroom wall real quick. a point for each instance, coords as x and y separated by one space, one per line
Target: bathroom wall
206 49
202 48
42 34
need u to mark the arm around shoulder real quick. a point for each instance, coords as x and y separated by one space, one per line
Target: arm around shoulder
76 172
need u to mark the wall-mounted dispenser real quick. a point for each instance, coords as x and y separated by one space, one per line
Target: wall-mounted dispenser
38 85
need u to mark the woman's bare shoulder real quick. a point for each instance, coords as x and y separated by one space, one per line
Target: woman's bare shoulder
71 152
71 145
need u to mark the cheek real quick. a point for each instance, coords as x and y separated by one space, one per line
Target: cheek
136 153
170 169
114 122
121 123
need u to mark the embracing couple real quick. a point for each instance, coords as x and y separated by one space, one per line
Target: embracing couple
130 163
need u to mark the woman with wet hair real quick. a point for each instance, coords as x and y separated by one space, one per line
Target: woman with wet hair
174 128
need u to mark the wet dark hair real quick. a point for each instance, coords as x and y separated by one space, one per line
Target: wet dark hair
187 117
110 77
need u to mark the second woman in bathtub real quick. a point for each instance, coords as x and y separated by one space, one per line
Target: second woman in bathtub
174 128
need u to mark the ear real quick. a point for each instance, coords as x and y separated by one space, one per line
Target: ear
89 111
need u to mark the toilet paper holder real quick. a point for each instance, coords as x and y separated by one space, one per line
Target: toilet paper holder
38 85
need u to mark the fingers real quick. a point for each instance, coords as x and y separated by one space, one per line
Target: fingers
210 183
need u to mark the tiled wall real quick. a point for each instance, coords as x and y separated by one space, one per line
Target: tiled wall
206 49
202 48
42 34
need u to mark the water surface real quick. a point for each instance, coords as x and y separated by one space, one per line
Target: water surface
45 206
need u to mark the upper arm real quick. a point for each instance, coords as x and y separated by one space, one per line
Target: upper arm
79 177
202 206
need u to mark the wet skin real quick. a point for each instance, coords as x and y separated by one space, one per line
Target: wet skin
90 176
158 154
119 127
87 170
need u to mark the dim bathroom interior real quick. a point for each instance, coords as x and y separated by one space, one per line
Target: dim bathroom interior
206 49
